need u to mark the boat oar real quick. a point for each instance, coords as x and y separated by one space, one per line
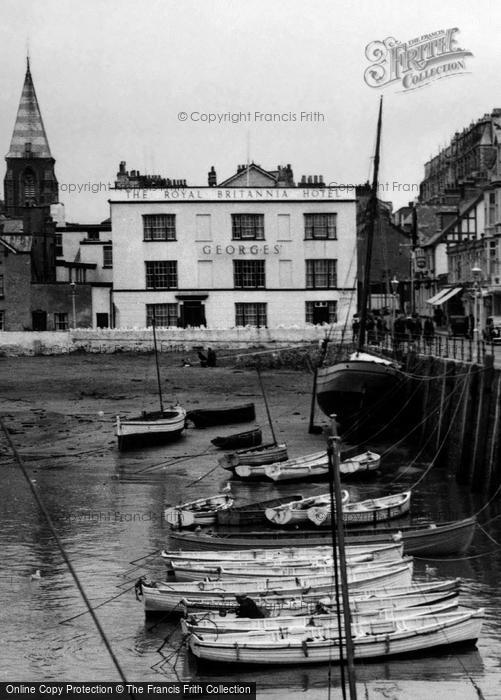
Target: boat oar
266 405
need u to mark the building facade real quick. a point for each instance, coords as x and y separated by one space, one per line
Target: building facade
249 252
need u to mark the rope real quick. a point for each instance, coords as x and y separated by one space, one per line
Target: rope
66 559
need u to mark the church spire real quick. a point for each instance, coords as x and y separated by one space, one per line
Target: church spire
29 139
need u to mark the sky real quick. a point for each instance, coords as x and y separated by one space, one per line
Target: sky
113 76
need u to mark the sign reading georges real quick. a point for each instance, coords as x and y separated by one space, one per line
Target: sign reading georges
417 62
242 249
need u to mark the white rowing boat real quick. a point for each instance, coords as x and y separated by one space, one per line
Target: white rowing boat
170 597
380 552
212 626
200 512
190 571
379 639
371 510
296 512
360 464
260 471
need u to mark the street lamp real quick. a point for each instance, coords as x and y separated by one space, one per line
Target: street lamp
73 304
477 304
394 289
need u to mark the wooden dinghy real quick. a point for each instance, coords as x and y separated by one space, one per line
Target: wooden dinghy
238 441
149 428
371 510
378 639
425 539
251 513
368 600
264 454
356 466
386 552
210 625
195 571
296 512
260 471
205 417
170 597
200 512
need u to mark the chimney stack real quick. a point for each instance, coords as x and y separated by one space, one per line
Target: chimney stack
212 179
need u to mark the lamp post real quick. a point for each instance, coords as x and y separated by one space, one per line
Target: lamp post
477 308
394 289
73 304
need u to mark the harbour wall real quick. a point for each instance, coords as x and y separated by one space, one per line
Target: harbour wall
168 340
456 409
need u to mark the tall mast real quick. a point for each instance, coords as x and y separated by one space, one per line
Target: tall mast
370 236
156 362
266 405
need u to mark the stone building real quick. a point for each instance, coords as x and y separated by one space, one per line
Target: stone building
256 249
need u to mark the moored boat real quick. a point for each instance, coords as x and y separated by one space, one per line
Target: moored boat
264 454
205 417
150 427
237 441
432 539
371 510
199 512
260 471
295 512
212 625
319 468
171 597
251 513
378 639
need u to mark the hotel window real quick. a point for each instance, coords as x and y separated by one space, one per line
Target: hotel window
250 315
107 256
321 274
319 226
61 322
165 315
248 274
159 227
321 312
161 274
92 235
1 286
247 227
2 320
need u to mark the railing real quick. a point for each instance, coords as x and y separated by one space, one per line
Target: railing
450 347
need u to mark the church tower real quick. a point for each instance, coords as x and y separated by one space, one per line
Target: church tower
30 180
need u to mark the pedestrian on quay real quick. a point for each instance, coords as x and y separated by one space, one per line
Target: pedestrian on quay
399 331
428 331
355 328
417 328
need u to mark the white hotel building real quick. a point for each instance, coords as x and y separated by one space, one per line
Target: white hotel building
249 251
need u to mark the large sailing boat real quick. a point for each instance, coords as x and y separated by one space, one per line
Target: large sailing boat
153 426
359 385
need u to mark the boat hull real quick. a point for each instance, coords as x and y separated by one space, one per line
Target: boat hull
354 388
203 418
158 429
434 632
265 454
436 540
250 438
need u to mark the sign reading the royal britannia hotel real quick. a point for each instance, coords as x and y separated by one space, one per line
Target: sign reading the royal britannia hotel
218 194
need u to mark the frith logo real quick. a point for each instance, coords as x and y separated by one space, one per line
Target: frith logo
417 62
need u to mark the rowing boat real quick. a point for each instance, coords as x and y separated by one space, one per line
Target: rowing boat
264 454
238 441
295 512
212 625
260 471
200 512
385 552
204 417
356 466
371 510
426 539
251 513
170 597
378 639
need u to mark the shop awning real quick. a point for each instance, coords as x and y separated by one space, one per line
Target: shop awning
437 298
451 293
